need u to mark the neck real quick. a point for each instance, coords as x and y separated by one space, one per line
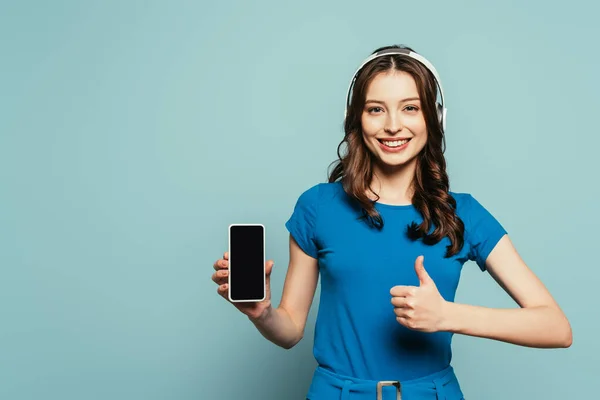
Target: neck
393 185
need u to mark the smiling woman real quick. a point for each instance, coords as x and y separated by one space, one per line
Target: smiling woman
389 124
389 239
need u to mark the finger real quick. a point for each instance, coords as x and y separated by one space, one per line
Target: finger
220 277
221 264
222 290
403 312
226 255
401 302
403 291
405 322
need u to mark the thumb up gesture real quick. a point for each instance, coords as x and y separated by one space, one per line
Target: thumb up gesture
420 308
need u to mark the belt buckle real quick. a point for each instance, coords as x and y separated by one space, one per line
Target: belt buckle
381 384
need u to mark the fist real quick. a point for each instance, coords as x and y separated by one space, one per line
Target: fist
419 308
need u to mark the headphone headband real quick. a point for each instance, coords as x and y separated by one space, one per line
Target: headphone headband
404 52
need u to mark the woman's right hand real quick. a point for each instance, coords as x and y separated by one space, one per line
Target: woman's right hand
254 310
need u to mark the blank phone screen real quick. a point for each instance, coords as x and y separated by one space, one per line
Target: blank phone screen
246 262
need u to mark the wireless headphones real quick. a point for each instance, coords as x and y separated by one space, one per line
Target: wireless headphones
440 108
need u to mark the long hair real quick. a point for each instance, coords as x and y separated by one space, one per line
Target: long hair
430 184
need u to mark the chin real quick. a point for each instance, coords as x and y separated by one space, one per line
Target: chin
400 158
386 162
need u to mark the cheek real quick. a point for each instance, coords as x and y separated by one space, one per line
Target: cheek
417 124
418 128
370 126
420 141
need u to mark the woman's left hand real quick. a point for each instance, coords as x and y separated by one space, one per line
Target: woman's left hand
420 308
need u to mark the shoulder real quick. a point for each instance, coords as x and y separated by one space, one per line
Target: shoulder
319 192
463 202
473 214
482 230
477 218
466 204
463 206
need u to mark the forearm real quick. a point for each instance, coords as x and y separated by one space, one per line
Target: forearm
277 326
541 327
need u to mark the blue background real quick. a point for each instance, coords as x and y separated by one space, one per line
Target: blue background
132 133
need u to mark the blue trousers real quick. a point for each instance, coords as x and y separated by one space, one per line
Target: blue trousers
442 385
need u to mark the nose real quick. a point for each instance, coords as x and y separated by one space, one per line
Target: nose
393 124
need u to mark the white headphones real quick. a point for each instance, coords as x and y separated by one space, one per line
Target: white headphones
440 108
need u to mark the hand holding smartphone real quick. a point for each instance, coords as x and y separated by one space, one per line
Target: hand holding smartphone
242 274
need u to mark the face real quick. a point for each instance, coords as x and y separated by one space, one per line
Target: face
392 120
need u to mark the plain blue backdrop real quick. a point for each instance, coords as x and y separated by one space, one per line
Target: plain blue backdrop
132 133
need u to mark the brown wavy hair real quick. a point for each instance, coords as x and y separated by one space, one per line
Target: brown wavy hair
430 184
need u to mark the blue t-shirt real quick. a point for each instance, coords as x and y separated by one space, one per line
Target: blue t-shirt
356 332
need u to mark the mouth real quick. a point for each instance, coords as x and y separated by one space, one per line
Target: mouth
396 144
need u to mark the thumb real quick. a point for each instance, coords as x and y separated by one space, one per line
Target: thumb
422 274
269 267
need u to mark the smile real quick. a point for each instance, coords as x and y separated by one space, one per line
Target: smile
394 143
393 146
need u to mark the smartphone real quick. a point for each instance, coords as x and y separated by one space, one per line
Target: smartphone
247 281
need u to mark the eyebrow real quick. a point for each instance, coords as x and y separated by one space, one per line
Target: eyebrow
401 101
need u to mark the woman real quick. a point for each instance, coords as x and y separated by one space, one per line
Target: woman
389 239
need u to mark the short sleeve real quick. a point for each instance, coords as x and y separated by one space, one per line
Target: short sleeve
483 232
303 222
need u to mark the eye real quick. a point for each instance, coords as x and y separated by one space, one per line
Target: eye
373 109
412 107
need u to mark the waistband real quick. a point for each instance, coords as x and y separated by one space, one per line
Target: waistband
441 385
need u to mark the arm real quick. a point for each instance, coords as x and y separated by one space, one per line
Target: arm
285 324
538 323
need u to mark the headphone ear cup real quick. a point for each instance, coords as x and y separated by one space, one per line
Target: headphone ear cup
440 112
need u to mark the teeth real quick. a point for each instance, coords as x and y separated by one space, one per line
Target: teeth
395 143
